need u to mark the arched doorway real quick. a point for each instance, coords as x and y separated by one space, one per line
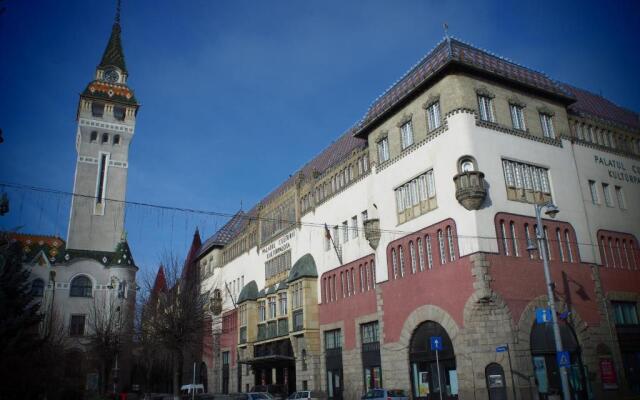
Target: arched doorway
545 366
425 382
496 383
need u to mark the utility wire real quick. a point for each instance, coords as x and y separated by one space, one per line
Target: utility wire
320 225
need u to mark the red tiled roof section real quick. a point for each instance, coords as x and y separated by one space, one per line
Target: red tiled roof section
190 268
160 284
26 238
455 51
597 106
226 233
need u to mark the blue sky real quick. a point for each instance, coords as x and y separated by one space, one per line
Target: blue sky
237 95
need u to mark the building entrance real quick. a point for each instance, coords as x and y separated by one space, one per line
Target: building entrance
545 366
273 365
426 382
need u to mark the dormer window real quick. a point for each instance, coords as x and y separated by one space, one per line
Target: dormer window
119 113
94 136
97 109
116 139
105 138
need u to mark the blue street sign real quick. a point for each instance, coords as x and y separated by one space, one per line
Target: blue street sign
543 315
564 360
436 343
501 349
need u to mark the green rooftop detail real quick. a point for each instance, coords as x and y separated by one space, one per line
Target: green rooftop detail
305 267
249 292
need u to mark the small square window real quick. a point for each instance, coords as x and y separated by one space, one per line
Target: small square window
116 139
94 136
97 109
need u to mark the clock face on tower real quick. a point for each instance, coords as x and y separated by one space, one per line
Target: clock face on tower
111 75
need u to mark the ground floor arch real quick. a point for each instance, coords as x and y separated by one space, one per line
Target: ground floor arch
432 372
545 365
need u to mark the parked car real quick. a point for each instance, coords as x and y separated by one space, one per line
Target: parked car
252 396
191 390
385 394
308 395
278 392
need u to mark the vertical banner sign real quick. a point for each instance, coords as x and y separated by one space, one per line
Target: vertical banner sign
608 374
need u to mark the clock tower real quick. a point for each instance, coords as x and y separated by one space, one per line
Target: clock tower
106 124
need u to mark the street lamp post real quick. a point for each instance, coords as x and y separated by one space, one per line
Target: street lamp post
551 210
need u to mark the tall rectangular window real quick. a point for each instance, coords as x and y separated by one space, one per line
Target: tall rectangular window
102 178
607 194
433 115
282 299
272 307
406 135
76 325
547 125
620 197
345 232
383 150
517 116
262 312
486 108
594 192
354 226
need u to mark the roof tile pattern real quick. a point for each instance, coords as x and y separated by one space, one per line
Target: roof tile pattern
590 104
454 51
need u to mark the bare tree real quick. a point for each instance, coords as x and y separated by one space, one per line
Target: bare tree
107 333
173 319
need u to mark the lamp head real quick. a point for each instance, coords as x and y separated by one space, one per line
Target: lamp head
552 210
531 246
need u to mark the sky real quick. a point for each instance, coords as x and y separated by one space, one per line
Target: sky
237 95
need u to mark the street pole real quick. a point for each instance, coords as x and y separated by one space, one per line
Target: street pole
193 388
439 381
551 299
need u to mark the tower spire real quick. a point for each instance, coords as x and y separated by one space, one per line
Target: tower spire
113 54
117 19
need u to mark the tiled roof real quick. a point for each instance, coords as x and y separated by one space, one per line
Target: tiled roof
590 104
113 54
160 284
332 155
226 233
449 52
111 92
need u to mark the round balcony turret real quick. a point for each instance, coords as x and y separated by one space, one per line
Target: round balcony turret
470 188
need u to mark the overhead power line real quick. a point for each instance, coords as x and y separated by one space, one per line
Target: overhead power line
320 225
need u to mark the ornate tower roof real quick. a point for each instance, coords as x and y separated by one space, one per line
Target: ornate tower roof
113 54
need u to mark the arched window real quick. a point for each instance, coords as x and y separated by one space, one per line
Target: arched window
443 258
37 288
394 262
452 252
420 254
412 254
401 255
427 241
569 251
81 287
122 290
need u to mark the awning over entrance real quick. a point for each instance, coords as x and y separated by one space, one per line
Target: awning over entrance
266 359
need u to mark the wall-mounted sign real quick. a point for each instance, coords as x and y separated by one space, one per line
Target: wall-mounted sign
620 170
282 244
608 374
